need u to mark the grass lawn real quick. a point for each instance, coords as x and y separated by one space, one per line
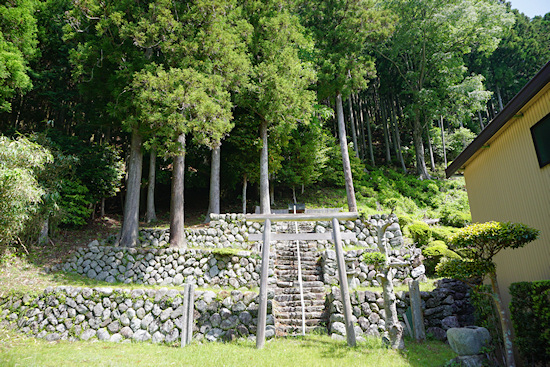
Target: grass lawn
315 350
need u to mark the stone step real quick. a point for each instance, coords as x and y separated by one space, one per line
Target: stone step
297 321
294 277
306 284
295 258
281 267
294 262
286 297
311 290
294 253
310 310
284 317
285 330
298 303
294 271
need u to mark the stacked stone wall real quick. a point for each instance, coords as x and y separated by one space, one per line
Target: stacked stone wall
447 306
362 274
232 231
167 266
123 315
220 255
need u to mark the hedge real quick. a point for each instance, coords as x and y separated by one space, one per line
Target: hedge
530 311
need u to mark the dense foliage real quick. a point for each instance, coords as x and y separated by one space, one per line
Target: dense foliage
417 80
486 315
20 193
530 311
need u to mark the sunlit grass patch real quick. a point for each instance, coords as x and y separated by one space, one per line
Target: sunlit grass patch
312 350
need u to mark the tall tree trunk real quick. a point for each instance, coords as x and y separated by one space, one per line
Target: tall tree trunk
421 169
361 124
130 224
493 109
499 97
506 331
245 186
398 138
352 204
352 125
102 208
442 127
177 236
214 205
432 161
369 137
265 207
384 121
480 120
150 214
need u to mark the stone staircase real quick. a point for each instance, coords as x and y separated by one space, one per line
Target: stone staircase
287 307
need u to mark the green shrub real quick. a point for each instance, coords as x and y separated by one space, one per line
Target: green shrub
479 243
443 233
530 311
404 220
74 204
20 192
433 254
420 233
375 258
456 218
486 315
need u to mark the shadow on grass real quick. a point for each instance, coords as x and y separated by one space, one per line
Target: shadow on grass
431 353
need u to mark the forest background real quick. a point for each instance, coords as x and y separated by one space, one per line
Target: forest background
131 107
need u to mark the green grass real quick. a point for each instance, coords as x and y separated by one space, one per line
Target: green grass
315 350
424 287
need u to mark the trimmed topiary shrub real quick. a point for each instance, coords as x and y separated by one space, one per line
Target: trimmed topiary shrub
455 218
479 243
420 233
404 220
530 311
443 233
433 254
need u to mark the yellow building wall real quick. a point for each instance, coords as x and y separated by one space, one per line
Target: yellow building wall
505 183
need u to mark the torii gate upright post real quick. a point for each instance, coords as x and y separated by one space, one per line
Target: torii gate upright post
262 311
344 289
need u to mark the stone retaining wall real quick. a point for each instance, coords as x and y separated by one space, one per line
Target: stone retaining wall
211 265
362 274
445 307
232 230
167 266
122 315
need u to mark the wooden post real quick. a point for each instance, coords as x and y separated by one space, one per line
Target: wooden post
416 311
185 316
190 311
350 332
262 311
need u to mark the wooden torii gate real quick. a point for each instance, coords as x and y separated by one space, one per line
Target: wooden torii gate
335 236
